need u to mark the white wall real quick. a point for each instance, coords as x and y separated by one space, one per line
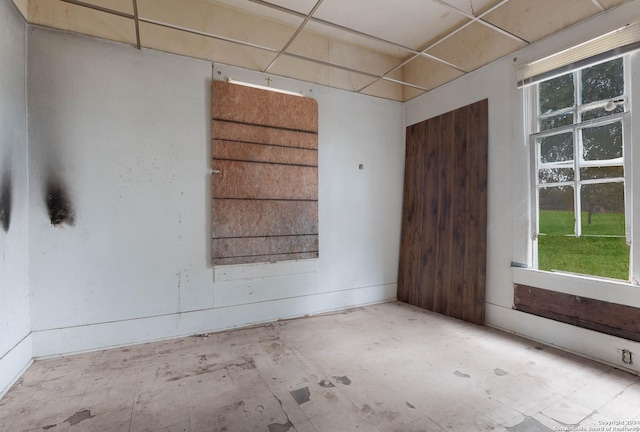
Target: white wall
15 324
127 133
508 206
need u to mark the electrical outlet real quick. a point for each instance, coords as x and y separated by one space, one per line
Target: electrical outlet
627 357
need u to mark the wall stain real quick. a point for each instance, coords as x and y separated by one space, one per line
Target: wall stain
5 201
78 417
58 204
49 427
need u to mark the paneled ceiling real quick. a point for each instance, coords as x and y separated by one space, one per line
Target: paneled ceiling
394 49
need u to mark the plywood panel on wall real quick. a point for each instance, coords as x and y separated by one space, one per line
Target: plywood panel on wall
444 223
265 181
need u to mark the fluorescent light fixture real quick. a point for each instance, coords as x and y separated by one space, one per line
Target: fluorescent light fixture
232 81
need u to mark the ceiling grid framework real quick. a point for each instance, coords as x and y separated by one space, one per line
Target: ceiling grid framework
384 48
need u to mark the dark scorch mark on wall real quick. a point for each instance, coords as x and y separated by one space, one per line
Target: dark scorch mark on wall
58 204
5 200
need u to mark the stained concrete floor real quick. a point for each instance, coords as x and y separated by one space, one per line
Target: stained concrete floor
387 367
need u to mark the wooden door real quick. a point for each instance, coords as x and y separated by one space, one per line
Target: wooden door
444 222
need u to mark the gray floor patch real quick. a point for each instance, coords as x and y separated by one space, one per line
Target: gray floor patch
461 375
529 425
500 372
279 427
342 379
301 395
78 417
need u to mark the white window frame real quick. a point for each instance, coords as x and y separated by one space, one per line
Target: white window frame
578 162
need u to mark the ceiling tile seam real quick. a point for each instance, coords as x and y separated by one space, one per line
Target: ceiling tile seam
599 5
481 21
357 33
99 8
137 22
334 25
295 35
226 39
206 34
333 65
405 83
465 25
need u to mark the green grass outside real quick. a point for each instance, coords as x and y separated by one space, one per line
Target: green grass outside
597 256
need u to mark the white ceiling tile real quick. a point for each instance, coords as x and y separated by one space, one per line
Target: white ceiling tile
257 10
469 48
355 39
532 21
192 45
386 90
210 17
611 3
302 6
118 5
411 22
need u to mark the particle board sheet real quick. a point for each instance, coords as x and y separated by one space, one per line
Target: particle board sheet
265 176
444 222
598 315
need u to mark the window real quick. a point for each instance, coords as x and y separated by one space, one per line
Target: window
581 136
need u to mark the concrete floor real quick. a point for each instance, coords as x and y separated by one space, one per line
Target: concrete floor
387 367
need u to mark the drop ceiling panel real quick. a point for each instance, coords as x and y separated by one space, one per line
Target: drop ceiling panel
192 45
411 22
302 6
473 7
355 39
79 19
533 21
474 46
260 10
611 3
321 48
428 73
306 70
125 6
205 16
386 90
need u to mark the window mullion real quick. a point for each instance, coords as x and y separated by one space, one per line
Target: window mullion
577 154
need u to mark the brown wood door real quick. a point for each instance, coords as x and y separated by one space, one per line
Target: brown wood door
444 221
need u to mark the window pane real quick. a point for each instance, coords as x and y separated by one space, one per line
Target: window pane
555 175
556 121
593 253
603 209
556 93
603 81
600 112
556 211
556 148
602 142
601 172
